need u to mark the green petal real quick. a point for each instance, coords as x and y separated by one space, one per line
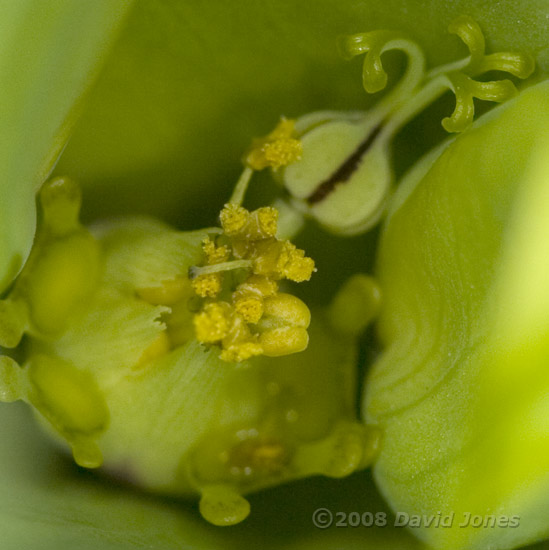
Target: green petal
49 53
461 392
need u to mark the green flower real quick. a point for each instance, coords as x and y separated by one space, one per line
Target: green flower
180 95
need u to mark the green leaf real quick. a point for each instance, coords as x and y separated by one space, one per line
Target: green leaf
461 391
49 54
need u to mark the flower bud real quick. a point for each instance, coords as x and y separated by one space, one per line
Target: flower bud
283 326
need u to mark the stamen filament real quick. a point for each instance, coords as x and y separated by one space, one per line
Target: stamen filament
237 198
195 271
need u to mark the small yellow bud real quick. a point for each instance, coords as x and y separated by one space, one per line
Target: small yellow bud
283 327
223 505
283 341
63 269
286 309
72 402
277 149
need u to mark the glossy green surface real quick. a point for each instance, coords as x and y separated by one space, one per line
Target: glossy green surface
461 391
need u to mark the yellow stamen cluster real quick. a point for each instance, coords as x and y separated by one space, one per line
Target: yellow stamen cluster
253 238
281 260
277 149
253 318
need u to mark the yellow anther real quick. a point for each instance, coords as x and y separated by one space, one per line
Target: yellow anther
248 226
233 219
215 254
269 257
212 324
239 344
220 323
159 347
298 267
248 297
250 306
267 218
208 285
277 149
167 294
282 152
281 260
239 332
